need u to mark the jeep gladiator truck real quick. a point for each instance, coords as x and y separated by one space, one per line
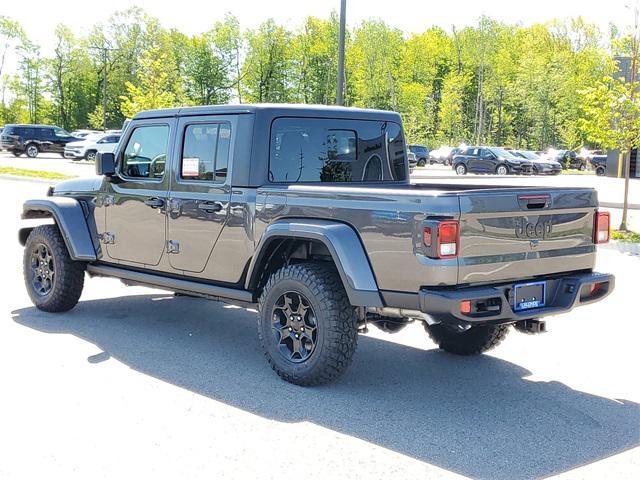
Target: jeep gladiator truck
308 212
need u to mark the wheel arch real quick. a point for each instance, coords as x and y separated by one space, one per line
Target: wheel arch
69 216
334 241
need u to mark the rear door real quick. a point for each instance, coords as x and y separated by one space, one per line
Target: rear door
200 190
474 161
487 161
509 234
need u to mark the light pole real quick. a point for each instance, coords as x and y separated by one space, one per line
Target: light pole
340 89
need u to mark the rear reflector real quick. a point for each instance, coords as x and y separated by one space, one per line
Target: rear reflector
448 239
601 226
465 306
427 236
595 288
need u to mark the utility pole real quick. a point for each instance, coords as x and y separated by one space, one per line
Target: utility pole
634 75
341 38
105 57
104 91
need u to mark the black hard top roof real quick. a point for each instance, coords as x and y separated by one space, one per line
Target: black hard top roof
33 125
275 110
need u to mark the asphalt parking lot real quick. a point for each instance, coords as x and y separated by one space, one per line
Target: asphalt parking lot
48 163
137 383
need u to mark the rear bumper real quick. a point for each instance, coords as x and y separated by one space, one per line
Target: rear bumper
563 294
10 146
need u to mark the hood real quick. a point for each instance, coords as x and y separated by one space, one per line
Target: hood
77 143
78 185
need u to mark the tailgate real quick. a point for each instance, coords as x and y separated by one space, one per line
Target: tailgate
520 233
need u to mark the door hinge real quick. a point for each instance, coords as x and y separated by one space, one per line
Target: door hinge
109 200
107 238
173 246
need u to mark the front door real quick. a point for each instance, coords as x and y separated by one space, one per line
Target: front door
135 210
200 190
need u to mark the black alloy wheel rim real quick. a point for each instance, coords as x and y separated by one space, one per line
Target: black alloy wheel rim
32 151
294 326
42 270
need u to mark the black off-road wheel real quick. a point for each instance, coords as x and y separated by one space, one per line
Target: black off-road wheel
307 327
54 282
474 341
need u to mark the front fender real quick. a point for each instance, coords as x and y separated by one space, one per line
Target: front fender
346 250
69 216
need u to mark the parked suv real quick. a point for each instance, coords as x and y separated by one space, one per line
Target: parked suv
421 152
568 159
493 160
599 164
33 139
307 214
88 147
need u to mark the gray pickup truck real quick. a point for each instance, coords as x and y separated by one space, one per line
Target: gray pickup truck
308 212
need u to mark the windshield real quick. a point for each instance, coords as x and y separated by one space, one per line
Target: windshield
529 155
501 152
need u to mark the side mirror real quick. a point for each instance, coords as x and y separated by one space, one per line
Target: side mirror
105 164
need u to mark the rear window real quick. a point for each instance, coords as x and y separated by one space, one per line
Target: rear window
330 150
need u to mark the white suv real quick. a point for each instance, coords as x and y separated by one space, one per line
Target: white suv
92 144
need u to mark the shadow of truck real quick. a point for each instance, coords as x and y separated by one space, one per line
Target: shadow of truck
478 417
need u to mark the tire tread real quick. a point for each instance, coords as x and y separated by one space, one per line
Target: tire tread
341 328
69 280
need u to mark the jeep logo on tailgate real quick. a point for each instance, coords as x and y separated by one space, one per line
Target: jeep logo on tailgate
525 229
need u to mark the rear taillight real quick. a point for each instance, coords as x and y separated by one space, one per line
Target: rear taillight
601 227
446 241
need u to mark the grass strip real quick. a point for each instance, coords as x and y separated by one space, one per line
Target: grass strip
23 172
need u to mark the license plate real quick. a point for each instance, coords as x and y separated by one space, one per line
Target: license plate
529 295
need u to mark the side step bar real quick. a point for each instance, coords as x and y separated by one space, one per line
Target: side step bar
174 284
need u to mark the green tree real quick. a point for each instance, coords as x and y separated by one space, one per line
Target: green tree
267 69
156 85
373 64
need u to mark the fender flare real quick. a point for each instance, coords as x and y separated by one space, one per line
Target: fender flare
69 216
344 246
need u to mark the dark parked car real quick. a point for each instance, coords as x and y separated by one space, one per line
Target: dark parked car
308 213
490 160
421 152
599 164
540 165
33 139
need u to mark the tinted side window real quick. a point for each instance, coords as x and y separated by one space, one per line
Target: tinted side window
330 150
60 132
205 152
146 153
42 133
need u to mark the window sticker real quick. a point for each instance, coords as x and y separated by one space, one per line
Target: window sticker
190 167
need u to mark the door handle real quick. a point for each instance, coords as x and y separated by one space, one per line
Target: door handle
154 202
210 206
